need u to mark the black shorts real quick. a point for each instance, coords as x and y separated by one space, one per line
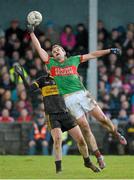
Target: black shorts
61 120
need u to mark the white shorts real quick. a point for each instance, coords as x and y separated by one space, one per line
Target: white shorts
80 103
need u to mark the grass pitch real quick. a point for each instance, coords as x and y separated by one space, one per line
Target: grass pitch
42 167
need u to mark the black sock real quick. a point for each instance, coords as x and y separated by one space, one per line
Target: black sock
87 160
58 166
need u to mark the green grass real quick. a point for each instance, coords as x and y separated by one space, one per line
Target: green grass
42 167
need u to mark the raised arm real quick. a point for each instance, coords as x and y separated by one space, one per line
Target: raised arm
30 88
42 53
100 53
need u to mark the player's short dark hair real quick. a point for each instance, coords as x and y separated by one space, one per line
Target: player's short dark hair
56 45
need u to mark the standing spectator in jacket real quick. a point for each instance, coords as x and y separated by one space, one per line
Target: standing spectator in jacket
68 39
14 29
39 137
130 134
81 36
51 32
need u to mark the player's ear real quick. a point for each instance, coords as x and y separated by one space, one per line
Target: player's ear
64 52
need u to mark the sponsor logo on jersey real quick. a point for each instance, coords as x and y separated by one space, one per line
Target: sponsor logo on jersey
63 71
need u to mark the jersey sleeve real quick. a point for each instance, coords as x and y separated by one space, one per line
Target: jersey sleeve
47 62
75 60
34 86
50 62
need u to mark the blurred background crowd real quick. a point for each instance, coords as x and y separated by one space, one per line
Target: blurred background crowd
115 73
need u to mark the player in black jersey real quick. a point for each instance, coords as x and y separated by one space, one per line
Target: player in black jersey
58 117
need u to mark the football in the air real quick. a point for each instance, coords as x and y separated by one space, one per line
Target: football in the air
34 18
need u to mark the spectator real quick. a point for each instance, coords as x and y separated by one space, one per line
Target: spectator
68 39
116 74
52 33
101 28
15 56
24 97
117 83
3 44
101 38
130 64
5 117
130 134
66 143
110 144
126 106
10 106
42 38
47 46
132 103
130 27
33 72
106 103
6 82
100 45
122 117
29 56
81 36
123 97
14 29
39 137
129 53
101 89
38 65
112 63
5 97
115 39
20 87
24 116
128 40
114 102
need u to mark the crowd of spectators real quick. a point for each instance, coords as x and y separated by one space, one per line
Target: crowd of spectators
115 74
15 46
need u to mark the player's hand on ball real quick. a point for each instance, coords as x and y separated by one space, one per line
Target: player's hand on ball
116 51
30 28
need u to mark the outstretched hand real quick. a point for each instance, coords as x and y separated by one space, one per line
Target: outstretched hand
116 51
18 69
30 28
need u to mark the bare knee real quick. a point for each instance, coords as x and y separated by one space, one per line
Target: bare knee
83 123
57 137
57 141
